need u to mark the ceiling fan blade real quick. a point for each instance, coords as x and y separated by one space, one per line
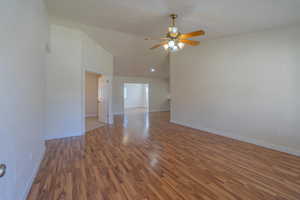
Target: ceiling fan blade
190 42
159 45
192 34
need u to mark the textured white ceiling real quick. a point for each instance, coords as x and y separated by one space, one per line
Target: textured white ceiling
132 20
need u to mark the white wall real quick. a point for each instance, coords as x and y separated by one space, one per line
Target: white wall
24 33
66 68
95 58
136 95
64 87
91 94
246 87
158 93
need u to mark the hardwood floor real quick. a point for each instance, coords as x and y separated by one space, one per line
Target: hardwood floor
145 157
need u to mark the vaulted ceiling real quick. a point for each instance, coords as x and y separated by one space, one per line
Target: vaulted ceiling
122 24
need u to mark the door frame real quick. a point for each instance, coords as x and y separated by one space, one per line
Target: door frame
110 113
103 102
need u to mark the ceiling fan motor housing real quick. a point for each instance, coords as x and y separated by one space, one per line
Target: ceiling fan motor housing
173 30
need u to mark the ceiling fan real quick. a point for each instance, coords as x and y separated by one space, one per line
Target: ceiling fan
175 40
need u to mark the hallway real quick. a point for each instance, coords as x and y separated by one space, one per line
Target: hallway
143 156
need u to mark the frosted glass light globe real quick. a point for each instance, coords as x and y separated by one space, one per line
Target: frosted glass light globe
175 48
180 45
171 44
166 46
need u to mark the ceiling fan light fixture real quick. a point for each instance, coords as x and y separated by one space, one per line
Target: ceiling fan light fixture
175 48
166 46
181 45
171 43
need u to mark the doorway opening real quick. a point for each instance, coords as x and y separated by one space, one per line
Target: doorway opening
96 101
136 97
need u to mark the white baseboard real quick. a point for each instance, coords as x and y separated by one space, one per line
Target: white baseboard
91 115
66 135
152 110
159 110
244 139
33 175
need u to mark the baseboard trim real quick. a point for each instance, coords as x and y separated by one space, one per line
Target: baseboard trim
159 110
153 110
130 107
244 139
33 175
65 136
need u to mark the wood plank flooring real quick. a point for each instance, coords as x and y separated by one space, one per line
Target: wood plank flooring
145 157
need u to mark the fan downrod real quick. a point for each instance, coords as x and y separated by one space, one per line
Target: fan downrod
173 17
